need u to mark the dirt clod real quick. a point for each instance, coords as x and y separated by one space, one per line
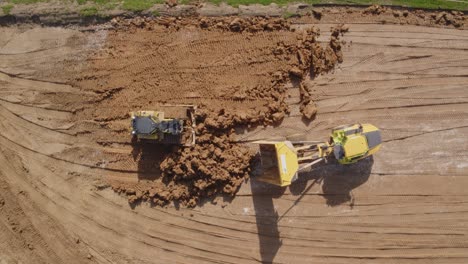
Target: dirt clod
171 3
397 13
453 18
375 10
317 14
130 191
309 110
295 71
236 24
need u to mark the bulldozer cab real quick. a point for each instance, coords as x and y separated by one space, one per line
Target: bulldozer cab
173 125
150 124
279 163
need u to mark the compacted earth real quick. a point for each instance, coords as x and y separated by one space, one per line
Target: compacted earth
75 187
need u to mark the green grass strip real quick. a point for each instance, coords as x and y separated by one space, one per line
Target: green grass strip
7 9
139 5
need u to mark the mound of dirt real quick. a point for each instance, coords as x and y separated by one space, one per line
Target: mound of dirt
455 18
249 24
215 166
375 10
235 24
313 59
234 69
419 17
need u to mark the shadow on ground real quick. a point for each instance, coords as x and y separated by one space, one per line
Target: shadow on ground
337 183
266 218
149 157
337 180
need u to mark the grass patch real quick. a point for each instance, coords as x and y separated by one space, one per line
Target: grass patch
25 1
7 9
89 11
139 5
110 5
103 2
433 4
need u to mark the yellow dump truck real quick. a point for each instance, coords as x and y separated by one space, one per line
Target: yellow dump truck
282 161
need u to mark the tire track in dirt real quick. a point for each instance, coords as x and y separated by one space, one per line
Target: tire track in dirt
19 238
65 201
351 84
32 128
410 206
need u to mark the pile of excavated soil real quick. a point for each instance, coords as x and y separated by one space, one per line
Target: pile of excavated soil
235 70
384 15
371 14
452 18
235 24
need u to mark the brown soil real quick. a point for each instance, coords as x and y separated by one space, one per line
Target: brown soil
54 13
452 18
241 84
59 154
384 15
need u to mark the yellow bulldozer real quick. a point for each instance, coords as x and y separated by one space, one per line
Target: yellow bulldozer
282 161
173 126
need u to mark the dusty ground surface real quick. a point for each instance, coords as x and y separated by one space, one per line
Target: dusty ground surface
407 204
63 13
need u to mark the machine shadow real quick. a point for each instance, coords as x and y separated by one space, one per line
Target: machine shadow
148 158
337 180
266 218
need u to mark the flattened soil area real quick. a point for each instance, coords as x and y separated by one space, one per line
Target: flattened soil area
59 152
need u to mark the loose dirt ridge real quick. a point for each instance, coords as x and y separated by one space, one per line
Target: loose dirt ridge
64 99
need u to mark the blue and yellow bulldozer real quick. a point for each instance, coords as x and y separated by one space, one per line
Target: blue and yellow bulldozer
282 161
175 125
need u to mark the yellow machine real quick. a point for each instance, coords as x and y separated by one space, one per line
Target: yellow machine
176 125
282 161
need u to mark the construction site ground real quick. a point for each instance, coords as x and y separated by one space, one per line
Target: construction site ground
67 165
